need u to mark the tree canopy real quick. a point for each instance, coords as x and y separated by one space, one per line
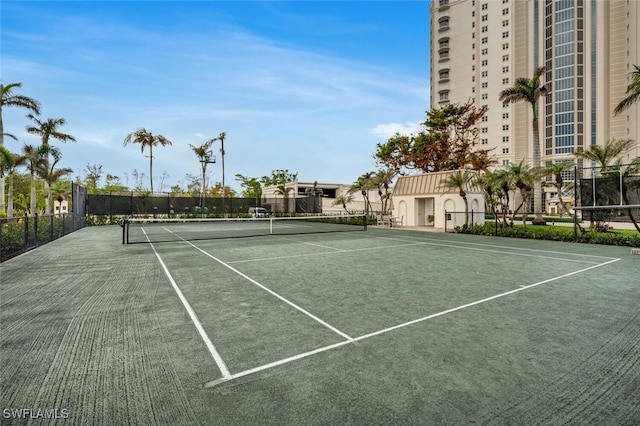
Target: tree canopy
447 142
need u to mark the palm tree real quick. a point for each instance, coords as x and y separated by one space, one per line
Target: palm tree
284 191
557 170
343 200
524 177
49 173
459 180
364 184
34 157
529 90
8 98
603 155
633 92
203 152
147 139
383 180
48 129
7 164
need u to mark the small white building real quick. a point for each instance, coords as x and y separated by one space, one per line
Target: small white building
421 200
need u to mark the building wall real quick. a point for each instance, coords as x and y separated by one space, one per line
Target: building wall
589 47
330 192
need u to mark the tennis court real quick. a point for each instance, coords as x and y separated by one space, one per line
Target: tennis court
376 327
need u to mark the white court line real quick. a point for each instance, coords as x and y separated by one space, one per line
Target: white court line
396 327
194 318
262 259
509 253
273 293
501 247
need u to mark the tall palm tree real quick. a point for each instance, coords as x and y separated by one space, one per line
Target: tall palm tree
221 138
7 164
50 174
282 189
633 92
530 90
459 180
34 158
9 98
147 139
203 152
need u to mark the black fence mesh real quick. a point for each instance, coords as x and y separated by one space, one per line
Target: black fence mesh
20 234
614 198
166 205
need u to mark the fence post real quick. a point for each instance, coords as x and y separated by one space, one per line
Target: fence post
35 229
445 221
26 231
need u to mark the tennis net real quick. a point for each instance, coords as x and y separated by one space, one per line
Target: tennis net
166 230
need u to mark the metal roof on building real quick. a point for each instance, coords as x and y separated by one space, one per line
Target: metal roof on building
428 183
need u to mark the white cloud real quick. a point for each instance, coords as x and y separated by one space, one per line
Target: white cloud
388 130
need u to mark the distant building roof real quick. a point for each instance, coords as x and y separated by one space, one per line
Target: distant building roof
428 183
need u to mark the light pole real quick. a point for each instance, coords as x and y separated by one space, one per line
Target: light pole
208 158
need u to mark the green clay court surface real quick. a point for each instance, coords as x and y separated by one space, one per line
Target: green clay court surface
375 327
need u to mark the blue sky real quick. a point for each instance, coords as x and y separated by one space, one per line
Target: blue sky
308 86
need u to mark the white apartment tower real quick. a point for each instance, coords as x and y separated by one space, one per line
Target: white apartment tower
589 47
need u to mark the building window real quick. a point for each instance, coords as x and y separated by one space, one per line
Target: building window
505 46
485 63
485 51
505 57
505 69
485 118
485 130
505 150
444 95
485 17
444 22
505 115
505 23
485 73
505 162
505 81
505 34
485 84
484 6
444 74
485 29
484 141
505 11
505 127
444 43
444 54
485 96
505 139
485 40
505 105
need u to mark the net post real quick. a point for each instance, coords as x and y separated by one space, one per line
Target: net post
125 231
575 203
364 220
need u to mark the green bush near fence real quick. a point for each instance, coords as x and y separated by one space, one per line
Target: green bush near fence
559 233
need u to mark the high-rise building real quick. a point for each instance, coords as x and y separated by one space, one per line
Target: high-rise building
589 47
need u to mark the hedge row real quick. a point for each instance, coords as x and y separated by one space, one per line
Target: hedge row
589 236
